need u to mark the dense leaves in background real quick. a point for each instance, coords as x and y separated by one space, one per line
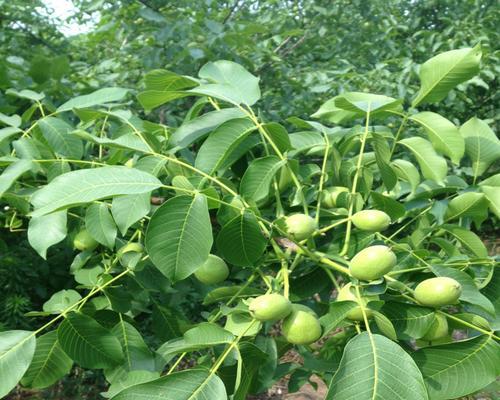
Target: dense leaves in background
126 190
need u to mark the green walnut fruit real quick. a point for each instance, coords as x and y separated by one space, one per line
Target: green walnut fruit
270 307
372 263
300 226
130 254
437 292
438 329
371 220
329 196
84 242
301 326
212 271
356 314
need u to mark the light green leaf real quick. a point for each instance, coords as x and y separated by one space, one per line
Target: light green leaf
383 158
99 97
409 321
11 120
26 94
12 172
380 369
61 301
197 128
163 80
89 343
257 179
132 378
443 72
392 207
492 194
218 147
50 363
16 352
467 204
57 133
128 141
99 223
279 136
242 324
168 323
179 236
7 132
470 292
406 171
191 384
87 185
150 99
469 239
457 369
337 312
222 294
330 112
481 145
137 354
46 231
241 241
443 134
129 209
230 82
360 103
432 165
385 325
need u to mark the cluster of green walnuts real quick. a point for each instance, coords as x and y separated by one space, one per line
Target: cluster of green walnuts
300 324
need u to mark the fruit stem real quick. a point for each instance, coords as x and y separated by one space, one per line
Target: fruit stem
322 176
355 183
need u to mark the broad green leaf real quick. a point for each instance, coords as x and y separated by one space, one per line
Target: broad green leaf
392 207
168 323
429 188
443 72
99 97
469 239
241 241
330 112
252 359
493 180
128 141
196 128
160 79
230 82
150 99
257 179
50 363
383 158
432 165
16 352
457 369
470 292
360 103
61 301
406 171
89 276
304 141
87 185
179 236
375 368
207 334
58 135
481 145
132 378
12 172
492 194
11 120
191 384
99 223
279 135
6 133
385 325
222 294
136 352
26 94
443 134
242 324
467 204
129 209
221 143
89 343
409 321
46 231
337 312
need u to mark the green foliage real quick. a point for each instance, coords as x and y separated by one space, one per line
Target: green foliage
220 175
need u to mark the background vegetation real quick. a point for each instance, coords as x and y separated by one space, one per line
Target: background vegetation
305 52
